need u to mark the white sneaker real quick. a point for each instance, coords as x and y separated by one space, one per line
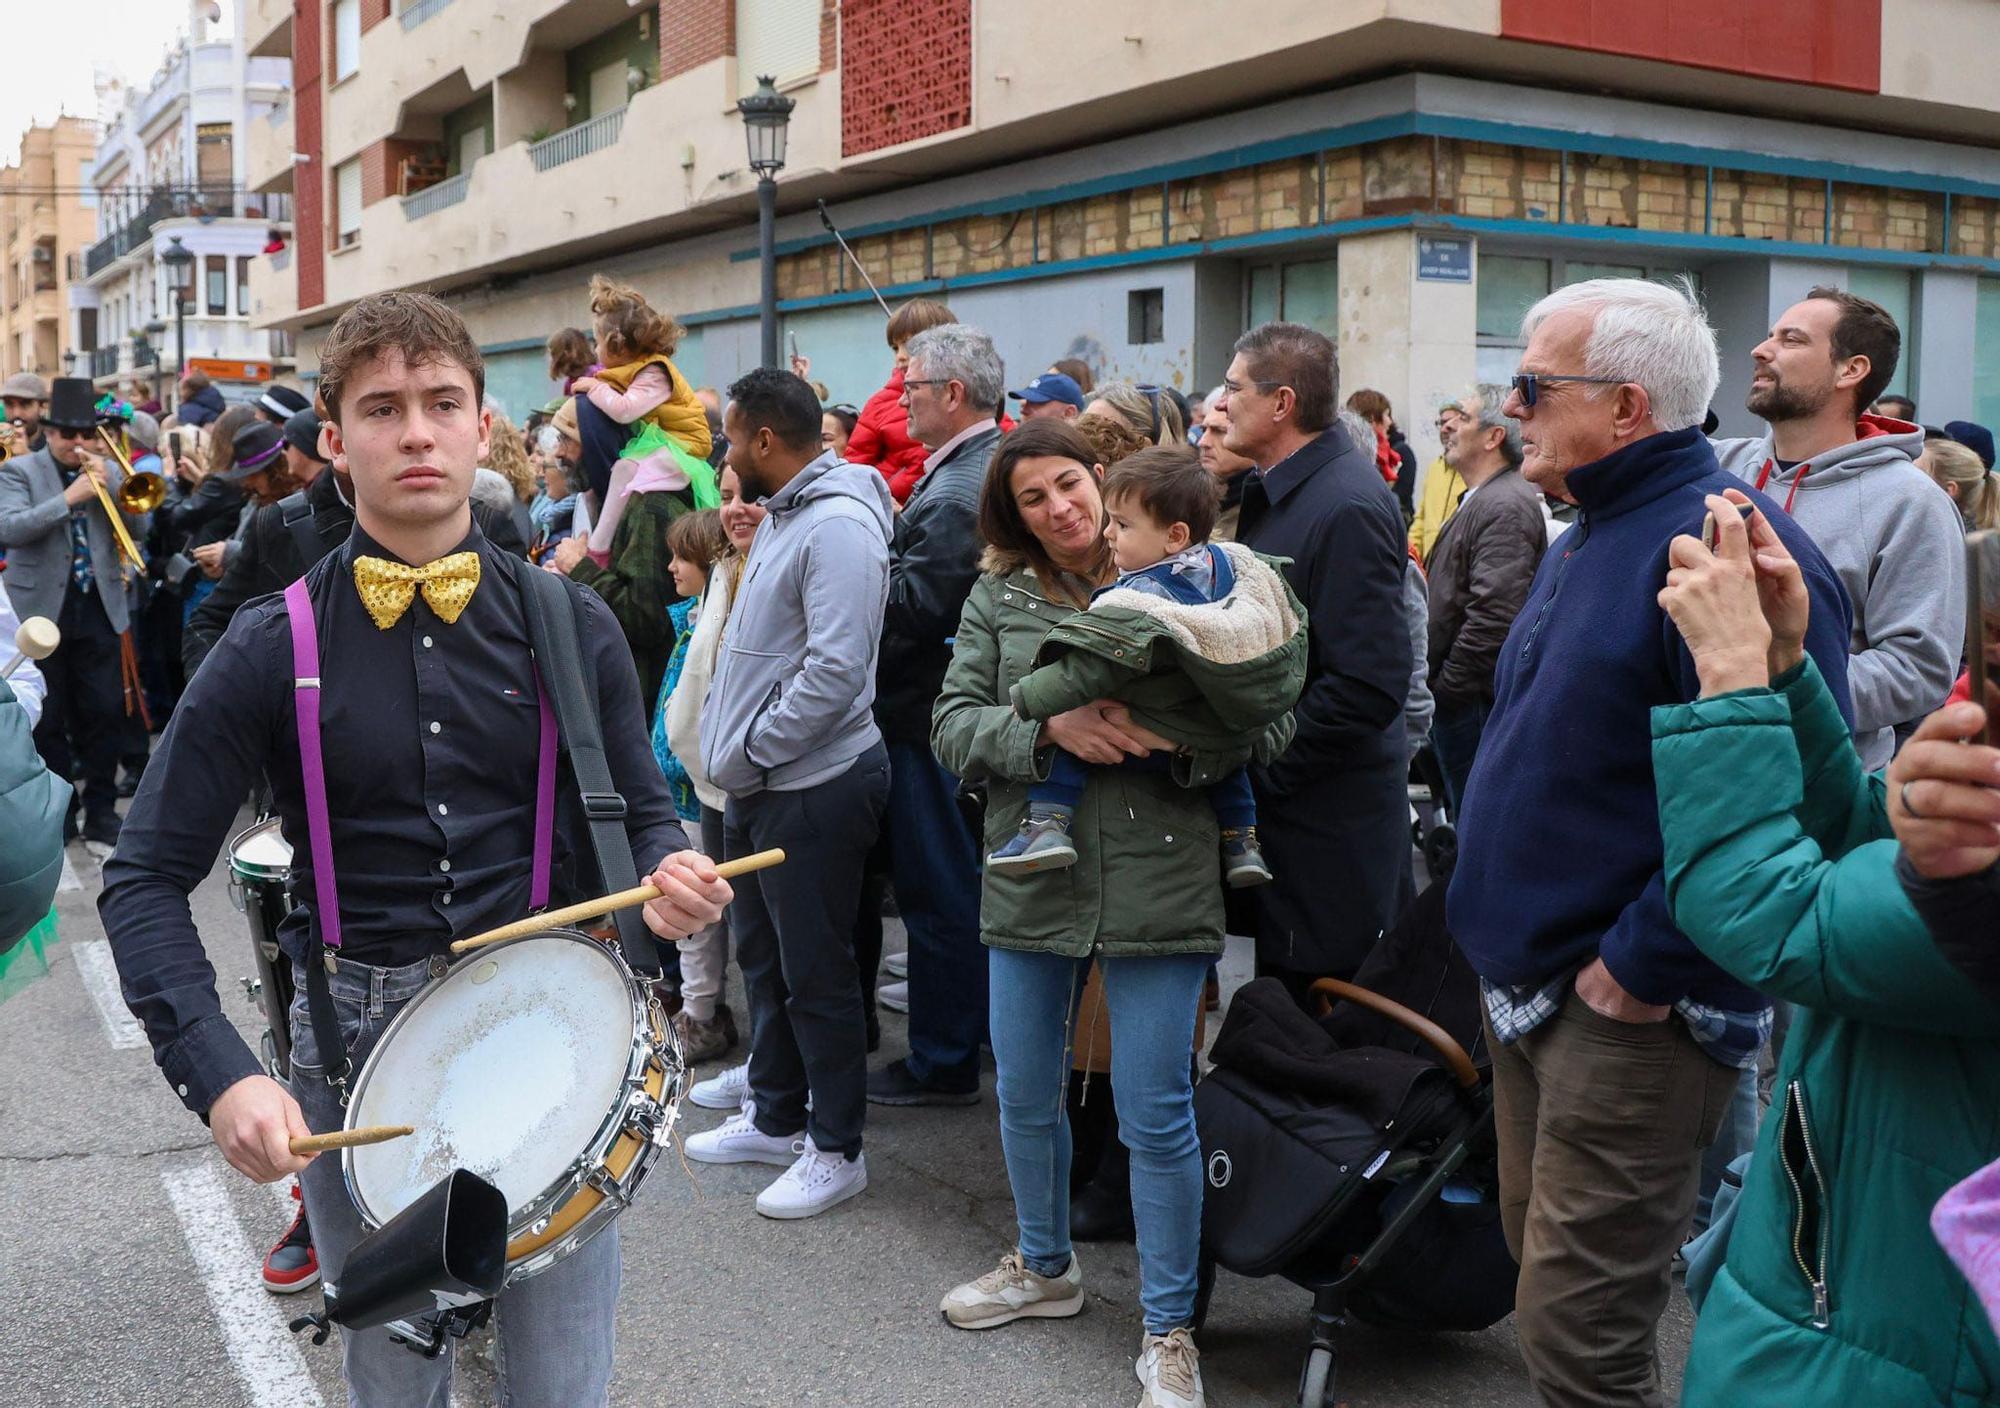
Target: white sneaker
737 1140
726 1090
1169 1371
1013 1292
813 1184
894 996
896 965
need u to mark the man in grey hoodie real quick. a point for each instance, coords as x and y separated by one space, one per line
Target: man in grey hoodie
789 732
1852 482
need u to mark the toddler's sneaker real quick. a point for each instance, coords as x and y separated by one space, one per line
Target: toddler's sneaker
1242 859
1042 843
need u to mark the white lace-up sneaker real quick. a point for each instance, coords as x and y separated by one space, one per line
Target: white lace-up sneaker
1012 1292
1169 1371
726 1090
813 1184
737 1140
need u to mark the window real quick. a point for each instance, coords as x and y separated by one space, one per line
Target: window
1986 353
243 284
778 37
1891 289
606 88
347 203
346 38
1508 287
1304 292
216 269
1146 315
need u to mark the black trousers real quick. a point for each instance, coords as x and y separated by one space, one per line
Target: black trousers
83 718
794 930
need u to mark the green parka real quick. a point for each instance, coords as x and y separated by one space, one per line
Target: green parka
1779 866
1148 877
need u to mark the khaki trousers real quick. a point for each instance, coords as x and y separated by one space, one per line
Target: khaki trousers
1600 1128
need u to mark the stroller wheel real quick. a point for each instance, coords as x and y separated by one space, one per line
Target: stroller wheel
1316 1384
1441 851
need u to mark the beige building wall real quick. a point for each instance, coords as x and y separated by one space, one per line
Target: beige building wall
43 221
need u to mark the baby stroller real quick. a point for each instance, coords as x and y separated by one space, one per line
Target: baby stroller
1352 1154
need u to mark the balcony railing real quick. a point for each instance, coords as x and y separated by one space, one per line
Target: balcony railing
103 361
418 11
432 199
580 140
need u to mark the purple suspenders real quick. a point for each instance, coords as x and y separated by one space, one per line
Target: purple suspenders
312 771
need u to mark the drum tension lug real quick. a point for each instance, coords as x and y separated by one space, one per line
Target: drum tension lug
606 1182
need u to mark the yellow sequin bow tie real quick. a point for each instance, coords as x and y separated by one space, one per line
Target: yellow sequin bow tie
388 588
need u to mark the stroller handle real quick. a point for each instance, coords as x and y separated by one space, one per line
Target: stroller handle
1436 1037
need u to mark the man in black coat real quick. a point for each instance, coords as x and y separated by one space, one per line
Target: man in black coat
1333 812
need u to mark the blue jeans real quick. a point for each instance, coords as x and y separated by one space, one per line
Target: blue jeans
1235 804
935 862
1152 1003
1455 734
1736 1137
553 1332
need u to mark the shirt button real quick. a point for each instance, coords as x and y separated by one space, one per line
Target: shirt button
443 810
436 727
427 642
444 865
181 1090
445 899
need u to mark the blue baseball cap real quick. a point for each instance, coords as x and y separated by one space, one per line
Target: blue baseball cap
1051 386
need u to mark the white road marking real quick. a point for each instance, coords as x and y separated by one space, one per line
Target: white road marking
69 880
100 980
265 1354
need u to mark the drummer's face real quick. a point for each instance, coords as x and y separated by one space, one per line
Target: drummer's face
411 435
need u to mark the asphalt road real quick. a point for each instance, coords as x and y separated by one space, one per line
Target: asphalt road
128 1260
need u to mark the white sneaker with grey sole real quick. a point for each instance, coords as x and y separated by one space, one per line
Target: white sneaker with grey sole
894 996
896 965
726 1090
814 1183
737 1140
1013 1292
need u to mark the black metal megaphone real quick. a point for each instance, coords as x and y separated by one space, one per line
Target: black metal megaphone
444 1252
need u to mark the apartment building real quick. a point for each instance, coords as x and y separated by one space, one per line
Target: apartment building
44 221
171 174
1136 184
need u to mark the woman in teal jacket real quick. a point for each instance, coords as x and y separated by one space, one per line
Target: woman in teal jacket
1780 867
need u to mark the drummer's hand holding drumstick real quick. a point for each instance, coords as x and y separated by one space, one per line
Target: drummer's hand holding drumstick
692 895
253 1123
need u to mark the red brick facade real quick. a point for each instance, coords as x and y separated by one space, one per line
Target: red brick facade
695 32
906 71
829 35
381 161
308 177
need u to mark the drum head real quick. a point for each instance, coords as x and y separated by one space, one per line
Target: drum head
260 853
508 1066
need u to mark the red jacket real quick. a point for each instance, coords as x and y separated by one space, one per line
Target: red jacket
882 438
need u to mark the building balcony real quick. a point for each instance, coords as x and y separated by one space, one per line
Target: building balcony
432 199
578 141
267 29
105 361
268 147
274 288
417 12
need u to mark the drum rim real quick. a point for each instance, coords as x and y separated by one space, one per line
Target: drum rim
614 1122
250 870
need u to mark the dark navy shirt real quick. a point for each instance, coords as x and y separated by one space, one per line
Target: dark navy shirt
430 737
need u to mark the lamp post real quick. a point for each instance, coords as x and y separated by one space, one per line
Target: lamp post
766 115
180 263
156 333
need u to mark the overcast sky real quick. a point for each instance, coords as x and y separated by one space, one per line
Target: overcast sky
52 48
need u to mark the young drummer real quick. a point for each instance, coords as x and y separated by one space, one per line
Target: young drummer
432 741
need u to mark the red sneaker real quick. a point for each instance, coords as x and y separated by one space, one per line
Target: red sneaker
292 1265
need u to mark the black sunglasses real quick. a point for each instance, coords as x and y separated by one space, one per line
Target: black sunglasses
1527 385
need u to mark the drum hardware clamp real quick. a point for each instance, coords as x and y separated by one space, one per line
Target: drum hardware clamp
253 988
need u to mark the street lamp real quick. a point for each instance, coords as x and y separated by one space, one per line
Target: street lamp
180 267
766 115
156 332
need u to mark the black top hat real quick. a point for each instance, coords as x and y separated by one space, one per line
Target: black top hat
72 403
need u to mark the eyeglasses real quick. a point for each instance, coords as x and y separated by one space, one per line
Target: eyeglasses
927 381
1528 385
1232 388
1152 395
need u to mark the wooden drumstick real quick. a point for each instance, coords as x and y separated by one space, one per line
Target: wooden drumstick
350 1138
607 904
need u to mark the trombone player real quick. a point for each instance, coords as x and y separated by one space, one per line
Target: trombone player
67 560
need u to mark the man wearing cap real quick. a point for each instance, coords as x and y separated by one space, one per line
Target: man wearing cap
63 563
1050 394
24 396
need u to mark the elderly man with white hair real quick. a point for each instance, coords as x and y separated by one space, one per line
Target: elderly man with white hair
1616 1045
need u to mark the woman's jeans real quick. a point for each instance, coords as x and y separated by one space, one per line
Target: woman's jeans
1034 998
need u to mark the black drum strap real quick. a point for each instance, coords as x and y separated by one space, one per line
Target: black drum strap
571 682
325 1020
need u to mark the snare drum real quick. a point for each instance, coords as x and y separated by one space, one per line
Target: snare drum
539 1064
260 884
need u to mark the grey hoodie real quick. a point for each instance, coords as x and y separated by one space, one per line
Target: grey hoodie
791 701
1898 544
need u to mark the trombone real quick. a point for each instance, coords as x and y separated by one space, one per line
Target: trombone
137 493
